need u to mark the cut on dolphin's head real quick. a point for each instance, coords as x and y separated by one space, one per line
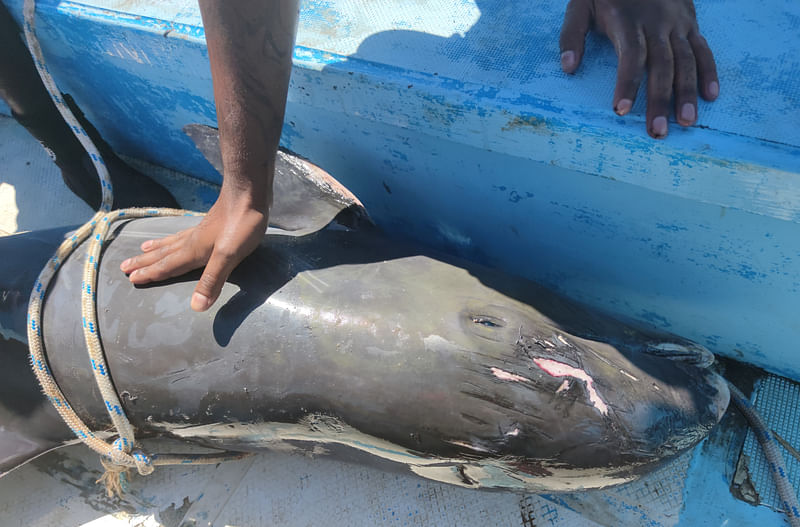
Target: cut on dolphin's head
342 341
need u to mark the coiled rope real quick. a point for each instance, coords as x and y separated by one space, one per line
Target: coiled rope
121 455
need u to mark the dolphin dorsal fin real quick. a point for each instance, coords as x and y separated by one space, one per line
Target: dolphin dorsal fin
306 198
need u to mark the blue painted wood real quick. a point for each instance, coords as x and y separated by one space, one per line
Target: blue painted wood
708 501
452 122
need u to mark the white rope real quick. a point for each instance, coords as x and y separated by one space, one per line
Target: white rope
121 454
28 12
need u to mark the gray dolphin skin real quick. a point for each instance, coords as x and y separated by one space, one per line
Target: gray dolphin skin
333 339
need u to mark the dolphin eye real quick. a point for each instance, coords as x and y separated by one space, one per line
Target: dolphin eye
487 321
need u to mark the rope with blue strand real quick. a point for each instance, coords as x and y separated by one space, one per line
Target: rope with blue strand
773 454
122 454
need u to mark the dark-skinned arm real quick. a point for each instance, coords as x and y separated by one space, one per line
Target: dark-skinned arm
250 44
660 36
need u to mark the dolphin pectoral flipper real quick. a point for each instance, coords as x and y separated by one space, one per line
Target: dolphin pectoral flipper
307 197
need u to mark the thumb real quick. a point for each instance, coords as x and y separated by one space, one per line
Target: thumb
219 268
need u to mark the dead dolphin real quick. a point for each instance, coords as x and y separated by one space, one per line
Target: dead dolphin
344 342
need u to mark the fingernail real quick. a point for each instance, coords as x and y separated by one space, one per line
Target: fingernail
568 60
124 265
146 245
688 113
660 126
623 106
200 302
713 89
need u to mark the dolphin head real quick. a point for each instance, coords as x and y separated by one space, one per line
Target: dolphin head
506 369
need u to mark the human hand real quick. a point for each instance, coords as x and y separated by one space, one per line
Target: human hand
230 231
661 35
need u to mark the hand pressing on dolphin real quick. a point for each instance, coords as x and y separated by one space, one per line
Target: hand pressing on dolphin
231 230
250 45
659 36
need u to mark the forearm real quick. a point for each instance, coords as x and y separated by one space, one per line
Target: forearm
250 45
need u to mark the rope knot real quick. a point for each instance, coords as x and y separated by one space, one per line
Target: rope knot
117 463
144 463
121 444
114 478
119 454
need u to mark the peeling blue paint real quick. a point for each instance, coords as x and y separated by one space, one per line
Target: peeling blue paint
142 23
655 319
672 228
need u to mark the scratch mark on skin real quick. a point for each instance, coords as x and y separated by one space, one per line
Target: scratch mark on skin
564 386
563 340
507 376
559 369
309 276
628 375
469 446
513 433
327 316
309 282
